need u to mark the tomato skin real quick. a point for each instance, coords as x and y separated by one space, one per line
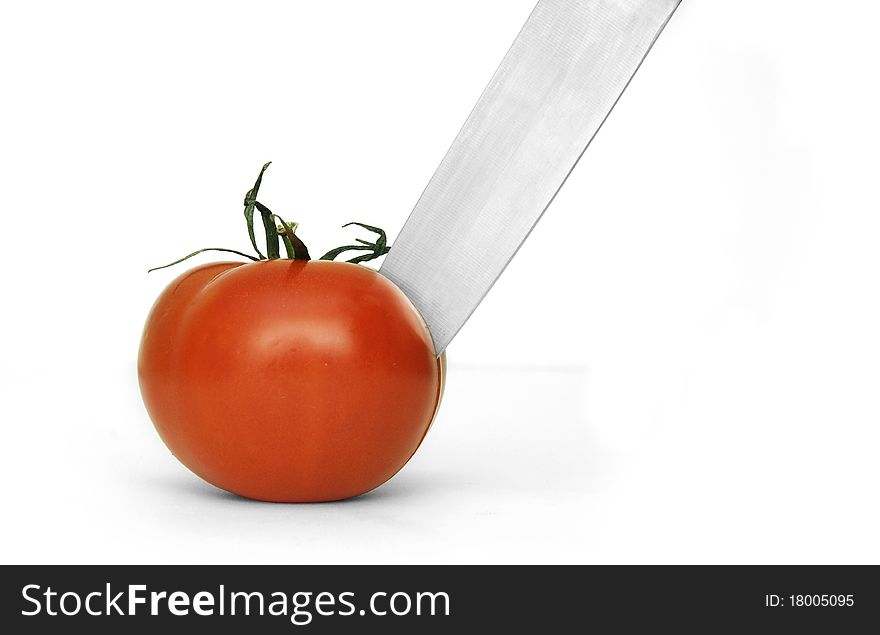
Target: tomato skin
288 380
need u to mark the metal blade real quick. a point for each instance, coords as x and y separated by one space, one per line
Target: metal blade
552 92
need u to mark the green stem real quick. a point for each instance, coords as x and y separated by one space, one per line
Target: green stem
296 248
288 244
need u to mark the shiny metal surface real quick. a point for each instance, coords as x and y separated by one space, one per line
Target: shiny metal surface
549 97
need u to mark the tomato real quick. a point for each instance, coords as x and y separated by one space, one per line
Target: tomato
289 380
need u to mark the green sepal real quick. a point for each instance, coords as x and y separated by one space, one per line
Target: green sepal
381 241
196 253
376 249
250 201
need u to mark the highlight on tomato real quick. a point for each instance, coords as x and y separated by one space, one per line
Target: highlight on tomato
289 379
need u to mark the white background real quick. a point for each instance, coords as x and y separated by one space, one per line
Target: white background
681 365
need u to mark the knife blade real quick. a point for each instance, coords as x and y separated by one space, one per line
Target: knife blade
553 90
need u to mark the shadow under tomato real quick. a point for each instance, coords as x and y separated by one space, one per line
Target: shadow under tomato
400 487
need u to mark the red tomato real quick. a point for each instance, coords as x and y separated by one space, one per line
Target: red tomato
289 380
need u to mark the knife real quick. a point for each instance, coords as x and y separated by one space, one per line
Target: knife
553 90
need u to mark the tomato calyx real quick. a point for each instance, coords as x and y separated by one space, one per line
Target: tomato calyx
280 232
296 249
250 202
